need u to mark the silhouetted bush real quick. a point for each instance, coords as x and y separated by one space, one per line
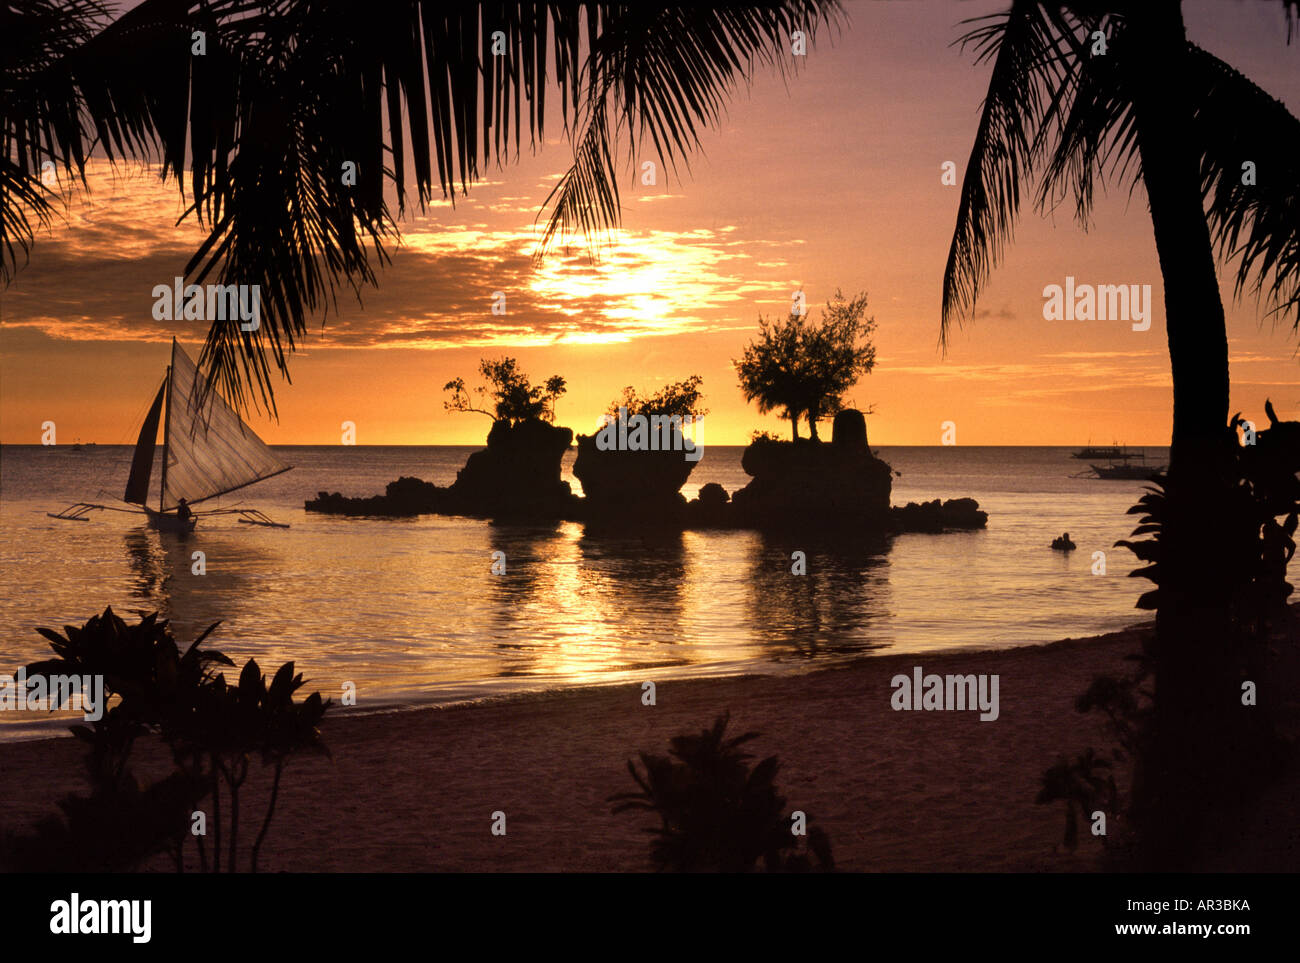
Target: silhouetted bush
1198 754
717 814
1085 784
211 728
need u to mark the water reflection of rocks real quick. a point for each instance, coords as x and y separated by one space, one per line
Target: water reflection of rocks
827 612
568 594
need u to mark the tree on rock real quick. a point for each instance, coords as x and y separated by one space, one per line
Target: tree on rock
515 399
680 400
803 368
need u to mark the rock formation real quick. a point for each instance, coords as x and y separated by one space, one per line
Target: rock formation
710 509
518 474
934 516
406 496
826 487
624 485
807 483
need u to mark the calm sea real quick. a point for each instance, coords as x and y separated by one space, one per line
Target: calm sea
409 611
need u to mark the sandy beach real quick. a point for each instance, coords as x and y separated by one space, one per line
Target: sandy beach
896 790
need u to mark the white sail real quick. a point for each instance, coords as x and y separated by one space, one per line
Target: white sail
210 451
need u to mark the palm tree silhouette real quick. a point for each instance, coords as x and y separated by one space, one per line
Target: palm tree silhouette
266 102
1146 106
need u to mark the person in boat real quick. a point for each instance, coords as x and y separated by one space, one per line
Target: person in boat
1063 543
183 511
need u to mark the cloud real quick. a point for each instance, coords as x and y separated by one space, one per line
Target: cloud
1085 355
93 278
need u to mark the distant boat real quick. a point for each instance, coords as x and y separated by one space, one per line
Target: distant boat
207 451
1092 452
1125 471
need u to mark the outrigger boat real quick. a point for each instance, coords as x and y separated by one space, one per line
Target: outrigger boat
1111 452
208 451
1126 471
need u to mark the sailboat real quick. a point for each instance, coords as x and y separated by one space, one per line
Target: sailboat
208 451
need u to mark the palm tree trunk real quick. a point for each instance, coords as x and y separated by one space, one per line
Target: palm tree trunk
1192 687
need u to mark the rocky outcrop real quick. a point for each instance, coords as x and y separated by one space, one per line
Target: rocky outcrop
933 516
623 484
826 487
406 496
518 474
807 483
710 509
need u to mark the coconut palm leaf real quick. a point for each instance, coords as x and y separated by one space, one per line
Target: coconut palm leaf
1033 57
415 94
40 114
1092 127
1258 224
662 73
1051 105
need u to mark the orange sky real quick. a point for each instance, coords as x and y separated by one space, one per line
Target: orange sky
831 179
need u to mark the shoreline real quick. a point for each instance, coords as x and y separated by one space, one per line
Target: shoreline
415 789
58 727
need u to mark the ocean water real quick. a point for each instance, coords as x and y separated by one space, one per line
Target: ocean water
409 612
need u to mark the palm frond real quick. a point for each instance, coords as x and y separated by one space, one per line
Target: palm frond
40 114
418 94
1094 127
1033 59
1256 224
662 74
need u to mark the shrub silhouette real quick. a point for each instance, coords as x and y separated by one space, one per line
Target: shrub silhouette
212 729
1085 784
233 723
718 814
513 397
681 399
111 830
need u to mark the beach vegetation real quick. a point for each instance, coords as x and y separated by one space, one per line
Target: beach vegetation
1085 784
212 729
718 813
1190 739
